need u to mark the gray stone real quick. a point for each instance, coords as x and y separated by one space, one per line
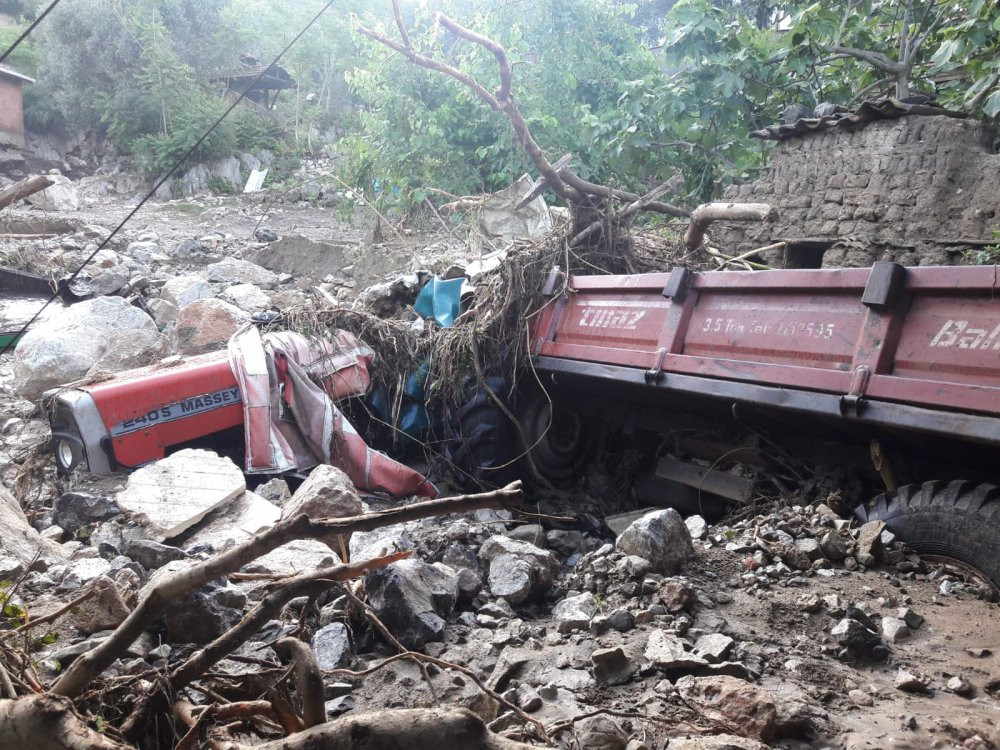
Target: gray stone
173 494
912 619
894 630
531 533
326 493
714 647
855 636
104 611
275 491
611 666
202 615
129 350
181 291
247 297
332 646
810 547
236 271
574 612
661 537
565 542
74 510
717 742
960 686
412 598
697 525
365 545
667 652
621 620
152 555
836 545
517 570
65 346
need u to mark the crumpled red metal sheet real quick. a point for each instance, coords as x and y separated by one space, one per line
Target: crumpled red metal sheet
291 421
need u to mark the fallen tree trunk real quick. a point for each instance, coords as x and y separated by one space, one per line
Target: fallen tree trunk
413 729
48 722
88 666
707 213
23 189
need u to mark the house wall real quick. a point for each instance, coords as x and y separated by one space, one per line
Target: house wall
11 112
920 190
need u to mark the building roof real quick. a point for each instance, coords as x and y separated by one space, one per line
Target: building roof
11 73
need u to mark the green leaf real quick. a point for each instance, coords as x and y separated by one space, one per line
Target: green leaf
991 107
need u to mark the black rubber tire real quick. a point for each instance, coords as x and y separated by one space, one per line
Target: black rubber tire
480 441
561 449
959 520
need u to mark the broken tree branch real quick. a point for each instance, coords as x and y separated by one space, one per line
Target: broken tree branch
414 729
88 666
23 189
48 722
707 213
631 208
562 180
308 679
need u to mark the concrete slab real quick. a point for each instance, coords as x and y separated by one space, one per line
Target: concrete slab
172 495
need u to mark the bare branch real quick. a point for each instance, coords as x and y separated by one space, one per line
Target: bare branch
707 213
876 59
308 679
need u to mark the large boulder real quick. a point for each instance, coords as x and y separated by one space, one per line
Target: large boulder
517 571
236 271
202 615
660 537
326 493
67 345
181 291
62 195
412 598
207 324
129 350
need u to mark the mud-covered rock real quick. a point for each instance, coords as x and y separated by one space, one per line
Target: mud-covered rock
738 705
517 571
574 612
207 324
74 510
326 493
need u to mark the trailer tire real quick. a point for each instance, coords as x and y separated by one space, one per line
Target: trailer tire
959 520
562 441
480 440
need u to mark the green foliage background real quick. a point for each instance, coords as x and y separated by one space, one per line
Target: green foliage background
635 91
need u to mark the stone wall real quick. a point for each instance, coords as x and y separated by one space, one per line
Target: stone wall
918 190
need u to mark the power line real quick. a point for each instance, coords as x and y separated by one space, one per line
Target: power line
28 30
66 282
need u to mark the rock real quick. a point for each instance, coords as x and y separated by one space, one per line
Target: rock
412 598
869 544
909 682
10 568
339 706
810 603
151 555
173 494
574 612
365 545
853 635
667 652
621 620
66 345
265 234
20 541
717 742
894 630
332 646
517 571
247 297
836 545
62 195
163 312
810 547
697 525
207 324
239 520
235 271
465 563
326 493
74 510
674 595
611 666
564 542
275 491
531 533
129 350
105 611
960 686
661 537
912 619
202 615
714 647
861 698
599 733
740 706
181 291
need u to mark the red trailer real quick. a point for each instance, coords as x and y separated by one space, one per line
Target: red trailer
909 357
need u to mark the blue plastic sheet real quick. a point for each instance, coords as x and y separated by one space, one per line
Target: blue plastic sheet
441 299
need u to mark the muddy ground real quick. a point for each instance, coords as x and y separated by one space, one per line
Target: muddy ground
842 702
